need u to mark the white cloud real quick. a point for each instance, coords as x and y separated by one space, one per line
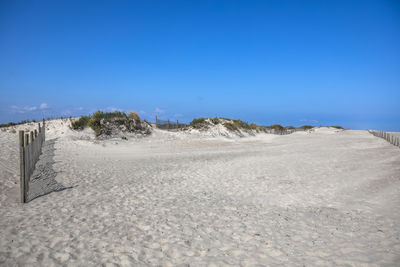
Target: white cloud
159 111
16 109
306 120
29 108
44 106
26 109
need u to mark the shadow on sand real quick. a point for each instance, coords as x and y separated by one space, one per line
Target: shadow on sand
43 180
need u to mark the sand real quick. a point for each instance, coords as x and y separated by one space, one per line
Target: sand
326 197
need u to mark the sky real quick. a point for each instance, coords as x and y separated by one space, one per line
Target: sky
287 62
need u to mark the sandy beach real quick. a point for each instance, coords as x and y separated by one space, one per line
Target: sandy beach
327 197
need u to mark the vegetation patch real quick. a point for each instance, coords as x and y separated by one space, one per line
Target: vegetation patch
306 127
230 124
4 125
276 127
111 123
198 123
81 123
337 127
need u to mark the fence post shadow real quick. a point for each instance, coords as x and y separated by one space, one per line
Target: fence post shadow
43 181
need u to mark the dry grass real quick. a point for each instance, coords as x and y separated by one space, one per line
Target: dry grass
134 116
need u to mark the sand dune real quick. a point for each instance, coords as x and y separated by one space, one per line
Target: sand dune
326 197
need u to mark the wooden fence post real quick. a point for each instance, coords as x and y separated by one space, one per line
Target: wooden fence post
168 123
156 121
31 135
44 131
21 167
26 140
35 133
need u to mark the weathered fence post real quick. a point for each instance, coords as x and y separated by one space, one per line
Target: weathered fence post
29 153
26 140
21 166
168 123
44 131
156 121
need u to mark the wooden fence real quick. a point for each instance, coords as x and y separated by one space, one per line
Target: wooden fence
30 147
281 132
391 138
168 124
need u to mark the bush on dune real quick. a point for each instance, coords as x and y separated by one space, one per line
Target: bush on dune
81 123
276 127
15 123
134 116
106 123
197 123
337 127
306 127
230 124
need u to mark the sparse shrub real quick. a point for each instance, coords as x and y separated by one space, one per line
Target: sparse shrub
197 123
134 116
289 128
276 127
81 123
13 131
254 126
215 121
15 123
241 124
94 124
106 123
124 138
337 127
230 126
306 127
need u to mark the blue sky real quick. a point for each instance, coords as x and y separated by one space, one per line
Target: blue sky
288 62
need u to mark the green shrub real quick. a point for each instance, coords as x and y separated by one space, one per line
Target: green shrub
81 123
94 120
276 127
241 124
254 126
306 127
197 123
215 121
337 127
230 126
15 123
289 128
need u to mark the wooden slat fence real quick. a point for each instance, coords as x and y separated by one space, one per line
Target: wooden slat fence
169 124
30 147
391 138
281 132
